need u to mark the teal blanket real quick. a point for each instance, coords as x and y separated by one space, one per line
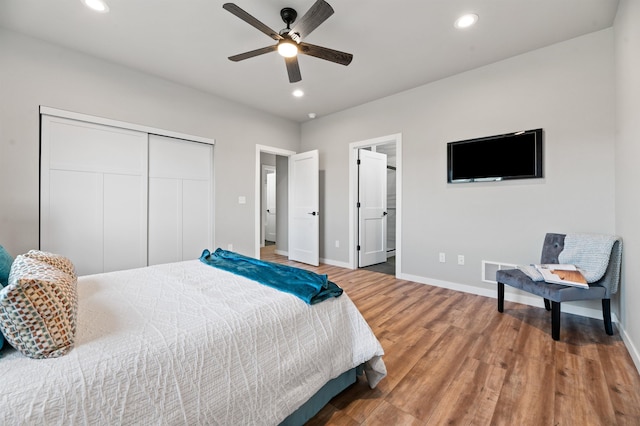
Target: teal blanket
307 285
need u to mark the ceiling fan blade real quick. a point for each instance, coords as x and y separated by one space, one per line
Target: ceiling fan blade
293 69
251 54
240 13
325 53
315 16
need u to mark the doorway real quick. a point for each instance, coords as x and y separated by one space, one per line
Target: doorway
391 146
278 160
297 201
269 206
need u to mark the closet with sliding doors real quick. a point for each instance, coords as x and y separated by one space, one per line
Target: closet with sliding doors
117 196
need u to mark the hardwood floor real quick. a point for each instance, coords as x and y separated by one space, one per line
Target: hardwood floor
452 358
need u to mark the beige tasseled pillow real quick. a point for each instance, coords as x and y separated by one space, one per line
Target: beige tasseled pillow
56 260
38 309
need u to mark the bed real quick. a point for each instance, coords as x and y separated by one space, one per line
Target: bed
187 343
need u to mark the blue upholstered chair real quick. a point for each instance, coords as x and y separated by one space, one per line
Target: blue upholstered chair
555 294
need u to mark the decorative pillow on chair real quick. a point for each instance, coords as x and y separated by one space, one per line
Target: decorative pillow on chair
38 309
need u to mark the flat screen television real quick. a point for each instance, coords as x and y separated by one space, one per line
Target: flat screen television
510 156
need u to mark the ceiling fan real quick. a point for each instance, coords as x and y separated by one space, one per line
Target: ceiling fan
290 39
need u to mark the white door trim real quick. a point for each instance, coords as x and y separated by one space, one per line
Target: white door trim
258 188
353 195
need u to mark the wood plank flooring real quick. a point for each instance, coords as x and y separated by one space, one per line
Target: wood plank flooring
452 358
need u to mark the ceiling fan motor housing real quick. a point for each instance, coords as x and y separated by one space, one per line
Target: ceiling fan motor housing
288 15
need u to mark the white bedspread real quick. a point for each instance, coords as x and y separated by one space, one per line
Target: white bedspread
186 343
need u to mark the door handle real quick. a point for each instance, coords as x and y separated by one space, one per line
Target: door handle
314 214
384 213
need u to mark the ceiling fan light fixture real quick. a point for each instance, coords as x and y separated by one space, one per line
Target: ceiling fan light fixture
290 40
465 21
287 48
96 5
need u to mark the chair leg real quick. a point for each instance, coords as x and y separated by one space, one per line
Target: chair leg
606 313
547 304
500 297
555 320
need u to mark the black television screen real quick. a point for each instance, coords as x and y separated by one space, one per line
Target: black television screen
510 156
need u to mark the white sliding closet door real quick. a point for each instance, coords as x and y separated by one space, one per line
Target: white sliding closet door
93 194
180 199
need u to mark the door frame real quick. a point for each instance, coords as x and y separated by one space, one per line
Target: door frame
258 190
353 195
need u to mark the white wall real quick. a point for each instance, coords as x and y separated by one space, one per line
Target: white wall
35 73
567 89
627 46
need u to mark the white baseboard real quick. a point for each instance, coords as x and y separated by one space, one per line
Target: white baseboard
322 260
446 284
517 296
633 351
335 263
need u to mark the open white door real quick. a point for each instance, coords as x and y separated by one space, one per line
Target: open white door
372 201
304 199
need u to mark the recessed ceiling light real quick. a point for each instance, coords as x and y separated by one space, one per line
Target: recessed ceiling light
298 93
312 115
96 5
465 21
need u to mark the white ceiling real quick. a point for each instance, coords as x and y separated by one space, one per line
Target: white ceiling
397 45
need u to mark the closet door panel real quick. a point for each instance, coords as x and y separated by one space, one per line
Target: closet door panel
165 217
195 223
180 199
93 199
76 145
178 158
75 209
125 237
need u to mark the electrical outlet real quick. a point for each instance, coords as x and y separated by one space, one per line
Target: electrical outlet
442 258
230 247
460 259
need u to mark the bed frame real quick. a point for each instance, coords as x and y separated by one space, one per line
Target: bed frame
322 397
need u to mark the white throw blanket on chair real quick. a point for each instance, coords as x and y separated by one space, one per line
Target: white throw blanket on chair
589 252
